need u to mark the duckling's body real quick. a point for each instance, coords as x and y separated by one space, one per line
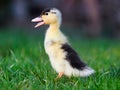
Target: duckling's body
53 43
62 57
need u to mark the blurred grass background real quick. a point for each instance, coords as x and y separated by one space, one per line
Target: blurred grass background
92 27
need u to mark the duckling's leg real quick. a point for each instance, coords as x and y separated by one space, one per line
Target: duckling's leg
59 75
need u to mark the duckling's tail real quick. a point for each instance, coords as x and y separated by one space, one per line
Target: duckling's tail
87 71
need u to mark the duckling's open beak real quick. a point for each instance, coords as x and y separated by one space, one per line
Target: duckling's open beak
39 20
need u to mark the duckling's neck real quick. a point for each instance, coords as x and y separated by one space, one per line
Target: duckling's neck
54 34
54 27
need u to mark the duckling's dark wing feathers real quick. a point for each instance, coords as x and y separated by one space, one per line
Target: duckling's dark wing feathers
72 57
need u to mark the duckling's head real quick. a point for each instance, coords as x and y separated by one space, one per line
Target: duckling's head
48 16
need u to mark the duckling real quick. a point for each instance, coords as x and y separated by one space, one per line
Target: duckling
64 59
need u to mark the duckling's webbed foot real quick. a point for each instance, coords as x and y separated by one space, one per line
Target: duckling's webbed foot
59 75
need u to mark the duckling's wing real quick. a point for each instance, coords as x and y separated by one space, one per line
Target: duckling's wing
72 57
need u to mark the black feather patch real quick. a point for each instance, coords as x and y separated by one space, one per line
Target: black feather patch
72 57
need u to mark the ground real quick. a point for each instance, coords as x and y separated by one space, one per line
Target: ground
24 64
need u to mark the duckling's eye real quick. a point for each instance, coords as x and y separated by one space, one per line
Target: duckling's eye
46 13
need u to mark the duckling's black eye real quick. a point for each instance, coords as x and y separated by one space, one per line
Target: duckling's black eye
46 13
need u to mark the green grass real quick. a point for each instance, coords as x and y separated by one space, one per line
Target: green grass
25 66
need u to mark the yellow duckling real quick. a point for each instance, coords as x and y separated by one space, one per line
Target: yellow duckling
63 58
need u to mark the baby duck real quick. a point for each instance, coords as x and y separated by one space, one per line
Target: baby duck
63 57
